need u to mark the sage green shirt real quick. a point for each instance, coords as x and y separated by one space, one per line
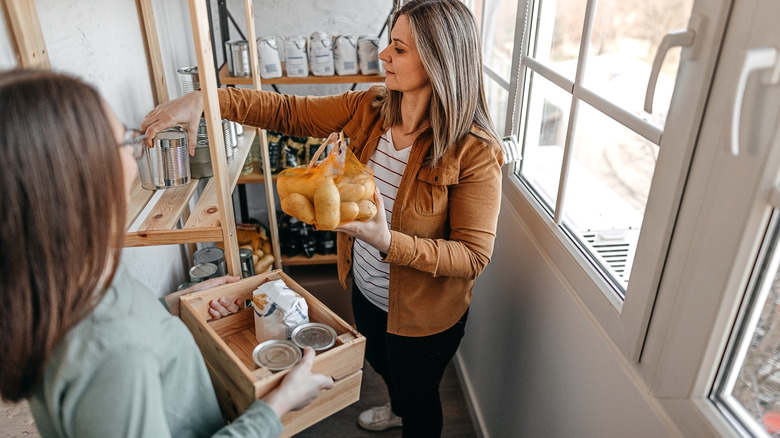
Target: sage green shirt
131 369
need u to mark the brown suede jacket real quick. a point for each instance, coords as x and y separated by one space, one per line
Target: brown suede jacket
444 219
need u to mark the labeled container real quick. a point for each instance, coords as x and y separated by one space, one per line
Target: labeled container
167 163
238 58
213 255
268 55
276 354
188 79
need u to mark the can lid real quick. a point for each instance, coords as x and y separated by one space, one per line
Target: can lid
171 138
211 254
315 335
203 270
245 253
189 70
276 355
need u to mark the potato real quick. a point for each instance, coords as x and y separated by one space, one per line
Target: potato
367 210
350 192
264 264
349 211
327 205
296 205
368 189
304 184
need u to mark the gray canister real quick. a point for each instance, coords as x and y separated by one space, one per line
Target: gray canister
188 79
203 271
228 140
167 163
200 163
238 58
247 262
213 255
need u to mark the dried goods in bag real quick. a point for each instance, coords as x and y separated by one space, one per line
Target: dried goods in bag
334 191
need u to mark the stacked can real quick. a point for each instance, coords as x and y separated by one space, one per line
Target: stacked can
200 163
212 255
231 140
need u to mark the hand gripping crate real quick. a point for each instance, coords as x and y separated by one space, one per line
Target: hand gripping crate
227 344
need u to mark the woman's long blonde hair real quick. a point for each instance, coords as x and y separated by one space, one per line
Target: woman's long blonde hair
63 202
446 36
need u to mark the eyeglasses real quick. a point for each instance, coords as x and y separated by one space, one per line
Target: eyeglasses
134 139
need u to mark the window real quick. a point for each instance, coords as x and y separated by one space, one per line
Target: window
589 148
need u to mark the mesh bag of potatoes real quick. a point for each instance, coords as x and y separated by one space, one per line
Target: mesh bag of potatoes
331 192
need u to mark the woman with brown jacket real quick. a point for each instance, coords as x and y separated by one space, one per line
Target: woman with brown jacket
428 137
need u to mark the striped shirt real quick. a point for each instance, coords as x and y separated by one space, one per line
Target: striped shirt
370 274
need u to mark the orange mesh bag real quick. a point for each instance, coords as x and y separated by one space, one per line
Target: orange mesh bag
334 191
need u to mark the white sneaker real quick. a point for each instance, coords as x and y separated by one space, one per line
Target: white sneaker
378 418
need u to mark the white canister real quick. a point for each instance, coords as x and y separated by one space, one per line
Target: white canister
268 53
320 54
345 55
368 55
295 57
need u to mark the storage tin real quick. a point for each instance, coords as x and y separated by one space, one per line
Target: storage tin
276 355
318 336
213 255
238 58
247 262
202 271
167 163
188 79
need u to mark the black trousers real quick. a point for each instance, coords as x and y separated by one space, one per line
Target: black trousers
412 367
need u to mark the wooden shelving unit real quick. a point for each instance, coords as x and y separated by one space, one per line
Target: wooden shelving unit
226 79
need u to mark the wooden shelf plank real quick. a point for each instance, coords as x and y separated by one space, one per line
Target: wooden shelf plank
255 177
172 237
139 197
226 79
168 209
317 259
206 212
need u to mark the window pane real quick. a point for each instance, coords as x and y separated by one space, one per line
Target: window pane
607 188
623 44
499 35
749 388
498 98
560 32
547 115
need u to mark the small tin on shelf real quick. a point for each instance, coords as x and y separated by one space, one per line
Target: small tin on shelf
318 336
276 355
202 272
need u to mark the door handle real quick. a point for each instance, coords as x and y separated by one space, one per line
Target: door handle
675 38
760 58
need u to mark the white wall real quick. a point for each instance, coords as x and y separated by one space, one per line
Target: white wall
533 363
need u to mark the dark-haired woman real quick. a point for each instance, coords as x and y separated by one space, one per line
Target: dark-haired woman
92 349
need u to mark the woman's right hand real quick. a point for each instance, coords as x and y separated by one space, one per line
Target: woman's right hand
299 387
185 111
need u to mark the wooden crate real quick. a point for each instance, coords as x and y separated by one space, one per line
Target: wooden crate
227 345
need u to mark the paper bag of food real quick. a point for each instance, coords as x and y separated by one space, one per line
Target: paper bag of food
334 191
278 310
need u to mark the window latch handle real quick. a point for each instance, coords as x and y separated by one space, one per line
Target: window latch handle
675 38
760 58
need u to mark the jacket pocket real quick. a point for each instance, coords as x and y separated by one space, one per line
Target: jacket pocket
433 190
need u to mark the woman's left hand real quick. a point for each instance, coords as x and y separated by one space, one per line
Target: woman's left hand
375 231
218 308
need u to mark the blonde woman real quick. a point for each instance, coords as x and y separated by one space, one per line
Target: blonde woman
93 350
437 163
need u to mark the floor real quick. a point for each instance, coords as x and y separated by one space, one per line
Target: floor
15 420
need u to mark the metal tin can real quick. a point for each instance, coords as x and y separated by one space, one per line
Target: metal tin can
202 271
247 262
228 141
318 336
238 58
276 355
213 255
188 79
167 163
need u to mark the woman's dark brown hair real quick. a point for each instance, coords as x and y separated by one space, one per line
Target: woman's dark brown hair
63 203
